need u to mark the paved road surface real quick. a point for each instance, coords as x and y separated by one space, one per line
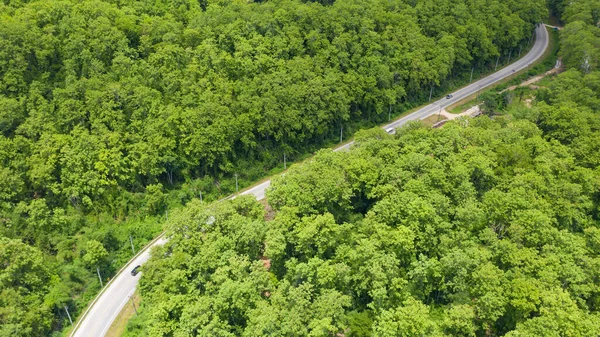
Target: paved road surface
107 306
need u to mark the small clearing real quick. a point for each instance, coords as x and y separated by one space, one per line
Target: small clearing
433 119
558 68
475 111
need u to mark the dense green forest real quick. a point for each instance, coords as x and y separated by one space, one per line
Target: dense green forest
485 227
113 111
102 100
581 36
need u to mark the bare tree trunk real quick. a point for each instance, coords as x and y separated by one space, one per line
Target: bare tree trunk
99 277
68 315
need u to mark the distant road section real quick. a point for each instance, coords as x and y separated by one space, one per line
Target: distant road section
102 312
538 49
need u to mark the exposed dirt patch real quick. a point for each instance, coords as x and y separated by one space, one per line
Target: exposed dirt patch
429 121
269 212
559 68
266 262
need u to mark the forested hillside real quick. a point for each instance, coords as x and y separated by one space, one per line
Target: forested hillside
102 98
107 106
485 227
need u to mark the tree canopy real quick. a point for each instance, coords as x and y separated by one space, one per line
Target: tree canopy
580 38
485 229
112 112
100 98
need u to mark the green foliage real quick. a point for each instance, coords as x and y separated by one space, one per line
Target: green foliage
156 200
411 319
113 97
580 38
24 283
112 112
484 228
581 46
475 229
492 102
95 253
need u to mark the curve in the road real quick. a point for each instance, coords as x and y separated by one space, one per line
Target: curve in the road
99 316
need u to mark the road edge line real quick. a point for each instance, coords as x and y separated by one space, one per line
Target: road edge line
91 304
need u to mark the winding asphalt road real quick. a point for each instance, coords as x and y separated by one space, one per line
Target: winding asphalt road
97 319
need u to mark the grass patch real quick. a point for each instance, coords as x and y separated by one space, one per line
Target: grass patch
464 104
545 81
120 323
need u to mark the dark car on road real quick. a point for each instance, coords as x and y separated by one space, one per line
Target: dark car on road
135 270
449 96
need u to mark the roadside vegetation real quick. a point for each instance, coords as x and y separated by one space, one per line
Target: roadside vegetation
484 227
546 63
